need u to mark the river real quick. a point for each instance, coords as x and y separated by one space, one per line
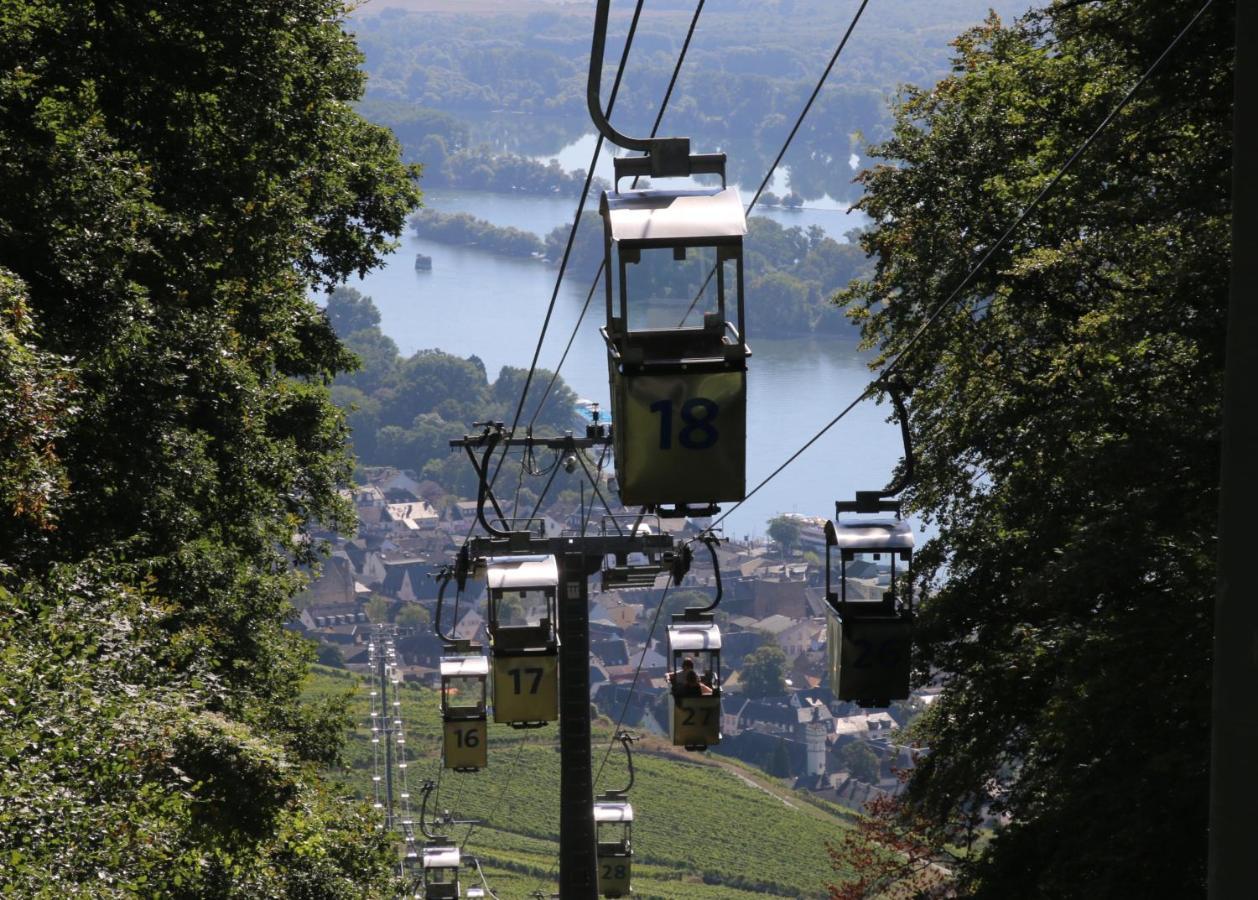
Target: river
474 302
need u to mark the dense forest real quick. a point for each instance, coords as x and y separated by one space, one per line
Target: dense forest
1066 411
751 67
175 182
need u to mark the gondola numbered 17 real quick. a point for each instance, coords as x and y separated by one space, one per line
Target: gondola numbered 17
523 642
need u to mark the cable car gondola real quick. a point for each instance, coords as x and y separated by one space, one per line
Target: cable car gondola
613 818
441 873
694 648
613 823
679 392
463 684
870 626
522 638
870 629
464 677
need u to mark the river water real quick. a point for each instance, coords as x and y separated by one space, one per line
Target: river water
473 302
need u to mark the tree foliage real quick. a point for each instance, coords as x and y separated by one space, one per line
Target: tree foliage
785 532
403 411
763 672
1065 413
174 181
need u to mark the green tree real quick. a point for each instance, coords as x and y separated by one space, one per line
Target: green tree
860 759
378 609
779 763
1066 409
763 672
176 181
349 311
785 533
412 615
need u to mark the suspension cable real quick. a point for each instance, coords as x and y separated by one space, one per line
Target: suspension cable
659 117
899 357
572 234
768 176
633 685
502 792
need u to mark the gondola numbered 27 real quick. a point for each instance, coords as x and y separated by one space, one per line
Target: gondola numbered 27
694 648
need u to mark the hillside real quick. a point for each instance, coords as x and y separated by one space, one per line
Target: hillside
691 838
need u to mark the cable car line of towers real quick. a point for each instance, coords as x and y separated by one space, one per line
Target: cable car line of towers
678 400
697 375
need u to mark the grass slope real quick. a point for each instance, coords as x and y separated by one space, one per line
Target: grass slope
704 828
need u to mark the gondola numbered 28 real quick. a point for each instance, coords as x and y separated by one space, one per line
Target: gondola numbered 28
870 626
441 872
613 819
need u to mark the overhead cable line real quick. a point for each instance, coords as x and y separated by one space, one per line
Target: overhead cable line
937 311
502 792
633 685
655 128
572 233
777 161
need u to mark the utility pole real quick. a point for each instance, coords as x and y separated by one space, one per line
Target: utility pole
577 558
386 726
578 865
1233 865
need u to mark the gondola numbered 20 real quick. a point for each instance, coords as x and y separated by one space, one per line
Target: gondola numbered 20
522 637
870 627
679 392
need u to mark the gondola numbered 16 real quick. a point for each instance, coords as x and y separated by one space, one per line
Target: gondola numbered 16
870 626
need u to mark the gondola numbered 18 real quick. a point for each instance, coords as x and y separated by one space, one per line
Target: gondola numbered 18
679 392
870 625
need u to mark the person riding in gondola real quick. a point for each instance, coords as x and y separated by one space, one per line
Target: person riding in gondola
686 681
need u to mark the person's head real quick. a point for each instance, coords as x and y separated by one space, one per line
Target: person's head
687 665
